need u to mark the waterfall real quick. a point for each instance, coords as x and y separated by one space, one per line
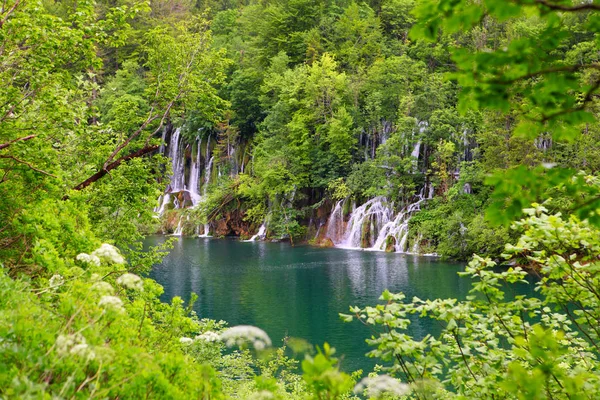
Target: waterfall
206 231
207 174
161 149
175 153
543 143
416 150
179 192
415 248
163 200
195 176
374 212
398 228
178 162
374 226
262 231
179 229
335 224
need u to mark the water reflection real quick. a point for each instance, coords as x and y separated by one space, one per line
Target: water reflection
299 291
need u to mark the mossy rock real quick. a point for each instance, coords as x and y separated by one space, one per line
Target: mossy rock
365 234
390 244
327 242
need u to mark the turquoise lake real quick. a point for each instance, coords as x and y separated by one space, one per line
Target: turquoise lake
299 291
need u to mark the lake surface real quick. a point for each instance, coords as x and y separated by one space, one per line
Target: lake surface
299 291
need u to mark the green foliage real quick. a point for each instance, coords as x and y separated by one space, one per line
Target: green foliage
332 100
322 375
495 343
83 333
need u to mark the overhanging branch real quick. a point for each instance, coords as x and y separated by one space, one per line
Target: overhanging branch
22 139
28 165
107 168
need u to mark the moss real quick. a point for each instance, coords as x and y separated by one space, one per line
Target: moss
365 234
390 244
327 243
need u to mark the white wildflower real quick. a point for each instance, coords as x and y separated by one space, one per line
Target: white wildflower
88 259
83 350
112 302
75 345
245 334
110 253
208 336
131 281
262 395
381 385
64 343
56 281
186 340
103 288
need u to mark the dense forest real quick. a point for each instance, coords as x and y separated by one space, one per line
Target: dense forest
454 127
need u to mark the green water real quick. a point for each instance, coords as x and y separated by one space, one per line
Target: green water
299 291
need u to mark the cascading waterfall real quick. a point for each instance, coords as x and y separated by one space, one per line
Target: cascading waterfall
176 152
375 212
206 231
416 150
335 224
415 248
163 200
177 179
207 174
374 226
178 161
161 149
398 228
195 176
179 229
261 234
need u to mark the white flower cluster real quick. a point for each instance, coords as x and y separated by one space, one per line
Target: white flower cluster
103 288
186 340
109 253
75 345
88 259
131 281
381 385
208 336
262 395
246 334
56 281
112 302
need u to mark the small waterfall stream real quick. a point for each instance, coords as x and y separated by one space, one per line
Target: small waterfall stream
261 234
374 226
195 176
207 174
178 162
335 224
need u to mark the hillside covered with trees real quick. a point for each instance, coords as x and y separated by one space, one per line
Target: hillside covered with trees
453 127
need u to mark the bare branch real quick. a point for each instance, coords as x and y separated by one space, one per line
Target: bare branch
22 139
28 164
566 68
588 98
105 170
583 6
128 140
12 9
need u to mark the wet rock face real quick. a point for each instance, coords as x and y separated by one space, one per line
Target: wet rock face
232 224
184 198
326 243
390 244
